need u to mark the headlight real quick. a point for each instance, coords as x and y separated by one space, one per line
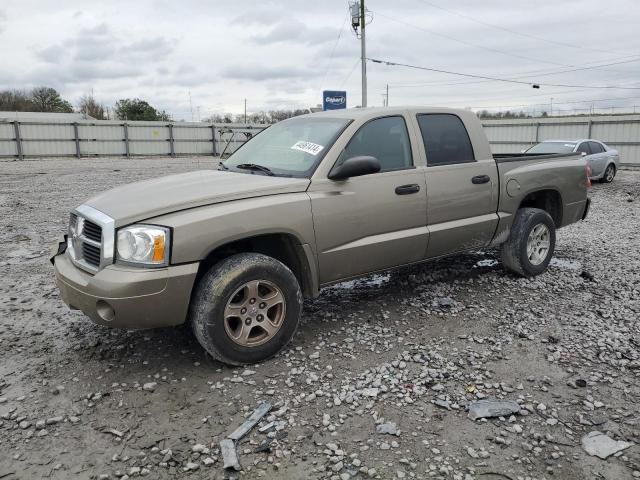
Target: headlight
144 245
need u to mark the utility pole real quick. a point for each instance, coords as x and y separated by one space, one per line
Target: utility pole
363 54
245 111
551 109
190 105
387 96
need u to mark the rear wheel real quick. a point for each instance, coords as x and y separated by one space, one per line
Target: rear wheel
531 243
609 174
246 308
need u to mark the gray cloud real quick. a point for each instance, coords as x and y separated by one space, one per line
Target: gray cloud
265 72
294 32
259 17
52 54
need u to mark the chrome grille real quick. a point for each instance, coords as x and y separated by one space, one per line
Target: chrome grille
90 241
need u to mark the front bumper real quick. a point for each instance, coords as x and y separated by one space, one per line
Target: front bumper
127 297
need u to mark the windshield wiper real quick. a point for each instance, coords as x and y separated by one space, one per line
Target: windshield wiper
255 166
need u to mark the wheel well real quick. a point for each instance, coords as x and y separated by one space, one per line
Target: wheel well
281 246
548 200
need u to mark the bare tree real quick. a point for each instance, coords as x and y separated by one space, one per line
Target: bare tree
90 106
15 101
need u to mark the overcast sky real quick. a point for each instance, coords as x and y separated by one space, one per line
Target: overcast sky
282 54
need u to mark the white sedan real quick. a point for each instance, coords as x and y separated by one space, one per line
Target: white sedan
603 161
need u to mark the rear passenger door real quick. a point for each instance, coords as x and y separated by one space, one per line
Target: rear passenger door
462 190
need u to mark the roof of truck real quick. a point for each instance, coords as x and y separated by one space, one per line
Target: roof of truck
354 113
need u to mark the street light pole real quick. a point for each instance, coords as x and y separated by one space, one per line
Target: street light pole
363 54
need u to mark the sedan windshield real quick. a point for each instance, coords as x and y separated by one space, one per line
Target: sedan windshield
290 148
552 147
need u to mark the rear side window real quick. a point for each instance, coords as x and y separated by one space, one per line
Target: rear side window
445 138
584 148
387 139
596 147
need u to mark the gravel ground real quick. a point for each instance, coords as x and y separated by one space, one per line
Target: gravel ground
376 383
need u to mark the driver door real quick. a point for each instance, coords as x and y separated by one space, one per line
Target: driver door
377 221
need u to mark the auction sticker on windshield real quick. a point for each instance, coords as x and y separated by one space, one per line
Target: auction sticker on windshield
307 147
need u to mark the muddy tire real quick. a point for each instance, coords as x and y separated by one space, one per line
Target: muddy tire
246 308
609 174
532 240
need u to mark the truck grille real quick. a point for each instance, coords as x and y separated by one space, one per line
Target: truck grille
90 233
91 254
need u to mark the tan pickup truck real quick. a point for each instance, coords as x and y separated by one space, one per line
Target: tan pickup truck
310 201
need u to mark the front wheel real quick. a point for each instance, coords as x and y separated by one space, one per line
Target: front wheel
609 174
246 308
531 243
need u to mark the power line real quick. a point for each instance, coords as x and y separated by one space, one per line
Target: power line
350 73
562 103
464 42
522 34
333 50
522 74
496 79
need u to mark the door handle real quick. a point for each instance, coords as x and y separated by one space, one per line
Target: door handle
407 189
480 179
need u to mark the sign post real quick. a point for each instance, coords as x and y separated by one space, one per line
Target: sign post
334 100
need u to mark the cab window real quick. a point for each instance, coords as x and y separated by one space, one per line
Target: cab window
385 138
445 138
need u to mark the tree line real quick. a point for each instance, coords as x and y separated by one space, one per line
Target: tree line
272 116
507 115
47 99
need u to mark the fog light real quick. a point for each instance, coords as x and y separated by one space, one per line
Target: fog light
105 311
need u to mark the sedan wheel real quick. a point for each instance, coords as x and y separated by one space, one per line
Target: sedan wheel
609 174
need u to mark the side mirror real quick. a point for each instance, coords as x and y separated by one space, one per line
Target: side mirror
584 154
355 167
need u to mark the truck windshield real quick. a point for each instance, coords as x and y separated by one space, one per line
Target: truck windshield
290 148
552 147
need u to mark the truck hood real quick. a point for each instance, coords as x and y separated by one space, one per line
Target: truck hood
142 200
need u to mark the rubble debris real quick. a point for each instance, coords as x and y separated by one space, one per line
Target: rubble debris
388 428
250 422
598 444
229 455
492 408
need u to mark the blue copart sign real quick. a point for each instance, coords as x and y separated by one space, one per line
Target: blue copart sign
334 100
